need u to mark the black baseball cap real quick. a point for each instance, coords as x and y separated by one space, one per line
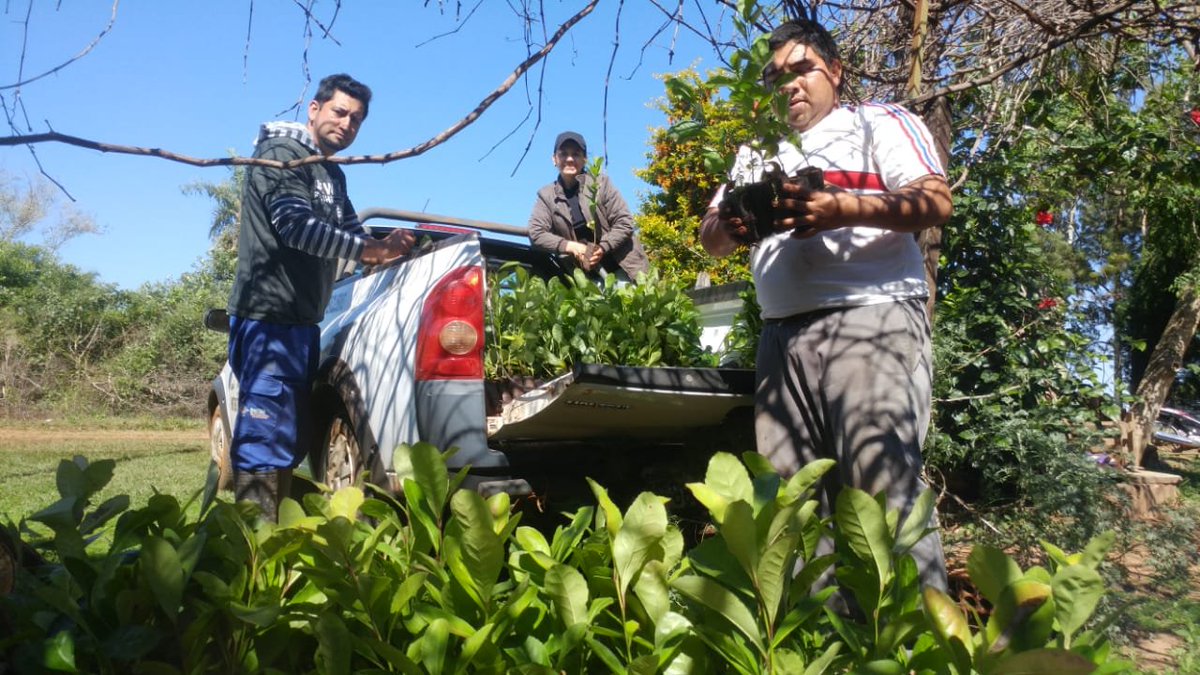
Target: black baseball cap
570 136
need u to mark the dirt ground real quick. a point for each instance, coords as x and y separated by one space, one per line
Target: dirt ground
26 436
1156 652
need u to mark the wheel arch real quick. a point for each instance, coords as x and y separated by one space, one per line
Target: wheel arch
336 388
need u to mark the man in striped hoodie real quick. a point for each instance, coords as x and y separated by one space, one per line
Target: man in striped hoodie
297 225
844 367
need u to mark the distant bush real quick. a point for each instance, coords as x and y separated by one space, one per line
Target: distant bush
72 342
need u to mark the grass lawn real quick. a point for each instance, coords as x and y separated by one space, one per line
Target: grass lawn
169 456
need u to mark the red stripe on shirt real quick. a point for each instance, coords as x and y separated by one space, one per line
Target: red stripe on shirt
854 180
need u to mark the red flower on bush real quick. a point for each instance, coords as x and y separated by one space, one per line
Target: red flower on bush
1044 218
1047 303
1195 115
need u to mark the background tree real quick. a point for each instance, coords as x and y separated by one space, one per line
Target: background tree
227 206
33 209
681 166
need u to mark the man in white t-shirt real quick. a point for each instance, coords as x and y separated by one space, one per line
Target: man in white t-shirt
844 359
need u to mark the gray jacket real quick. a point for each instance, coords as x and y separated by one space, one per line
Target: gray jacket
550 224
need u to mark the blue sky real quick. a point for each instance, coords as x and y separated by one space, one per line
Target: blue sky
179 76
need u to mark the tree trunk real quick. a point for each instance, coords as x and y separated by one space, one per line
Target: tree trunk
937 118
1137 427
936 114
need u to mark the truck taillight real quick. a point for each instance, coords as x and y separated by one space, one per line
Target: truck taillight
450 346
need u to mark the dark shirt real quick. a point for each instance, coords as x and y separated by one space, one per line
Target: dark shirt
579 222
581 226
286 269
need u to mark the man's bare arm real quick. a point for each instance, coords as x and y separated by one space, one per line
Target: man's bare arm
921 204
715 235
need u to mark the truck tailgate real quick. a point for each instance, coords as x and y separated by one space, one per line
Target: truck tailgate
624 402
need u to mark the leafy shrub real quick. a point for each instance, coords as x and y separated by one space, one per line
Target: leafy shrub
741 344
446 581
539 328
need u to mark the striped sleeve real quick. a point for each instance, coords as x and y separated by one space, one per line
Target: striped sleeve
902 146
299 228
350 222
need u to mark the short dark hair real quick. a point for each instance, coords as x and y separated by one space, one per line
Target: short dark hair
808 32
348 86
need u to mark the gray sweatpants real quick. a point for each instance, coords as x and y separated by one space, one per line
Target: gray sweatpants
852 384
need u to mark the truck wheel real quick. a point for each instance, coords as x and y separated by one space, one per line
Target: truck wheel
218 447
343 457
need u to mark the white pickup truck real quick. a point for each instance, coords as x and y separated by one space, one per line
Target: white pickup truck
402 361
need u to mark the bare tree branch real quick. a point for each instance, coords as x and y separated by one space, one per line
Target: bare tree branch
456 28
55 137
73 59
608 77
310 18
246 49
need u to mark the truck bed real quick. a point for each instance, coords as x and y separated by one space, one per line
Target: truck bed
593 401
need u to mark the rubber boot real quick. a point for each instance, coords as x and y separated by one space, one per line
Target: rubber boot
264 489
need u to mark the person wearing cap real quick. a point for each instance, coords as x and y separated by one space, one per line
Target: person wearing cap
584 216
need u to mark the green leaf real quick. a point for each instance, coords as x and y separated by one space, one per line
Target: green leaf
714 502
1094 553
103 513
164 574
332 638
605 654
917 524
653 591
757 464
425 526
880 667
476 643
950 626
433 645
991 571
59 652
568 593
531 540
799 484
646 664
63 514
612 515
130 643
259 615
822 663
643 528
76 478
429 470
346 502
1077 591
740 535
712 595
712 558
482 550
684 131
861 520
728 478
774 574
714 162
1022 618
